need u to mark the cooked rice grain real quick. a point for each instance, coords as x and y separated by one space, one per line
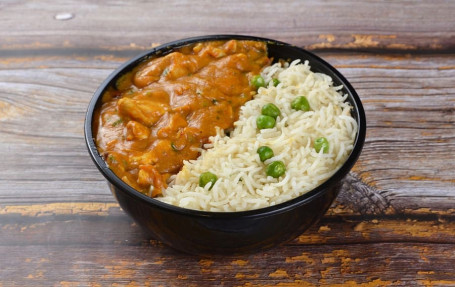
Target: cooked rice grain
242 183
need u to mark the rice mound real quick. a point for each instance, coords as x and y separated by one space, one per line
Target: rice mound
242 182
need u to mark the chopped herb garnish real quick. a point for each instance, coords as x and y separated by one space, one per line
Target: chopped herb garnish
174 148
214 101
117 122
165 72
112 159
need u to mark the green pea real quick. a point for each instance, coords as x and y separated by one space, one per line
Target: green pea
275 82
321 143
265 122
300 104
207 177
265 153
270 110
258 81
275 169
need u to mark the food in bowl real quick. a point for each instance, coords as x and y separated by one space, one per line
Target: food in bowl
213 127
164 110
257 165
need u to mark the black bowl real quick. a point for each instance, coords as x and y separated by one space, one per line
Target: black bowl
201 232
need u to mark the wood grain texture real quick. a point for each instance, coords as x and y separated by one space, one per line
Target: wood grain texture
336 265
393 223
96 244
131 25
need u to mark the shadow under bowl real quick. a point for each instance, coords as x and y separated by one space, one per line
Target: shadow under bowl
202 232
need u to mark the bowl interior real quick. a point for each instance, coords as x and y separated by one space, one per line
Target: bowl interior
277 50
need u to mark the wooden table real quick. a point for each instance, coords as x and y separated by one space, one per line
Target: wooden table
393 223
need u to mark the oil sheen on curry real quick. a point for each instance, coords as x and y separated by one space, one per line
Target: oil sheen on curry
164 110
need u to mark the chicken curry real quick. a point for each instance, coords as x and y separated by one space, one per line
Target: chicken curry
164 110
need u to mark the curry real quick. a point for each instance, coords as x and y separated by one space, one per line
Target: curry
164 110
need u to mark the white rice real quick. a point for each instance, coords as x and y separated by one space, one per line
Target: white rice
242 182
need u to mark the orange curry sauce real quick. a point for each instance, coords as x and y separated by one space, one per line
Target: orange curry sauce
166 108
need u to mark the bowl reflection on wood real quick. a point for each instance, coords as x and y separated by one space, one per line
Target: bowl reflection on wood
202 232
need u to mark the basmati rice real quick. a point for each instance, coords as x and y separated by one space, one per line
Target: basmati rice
242 182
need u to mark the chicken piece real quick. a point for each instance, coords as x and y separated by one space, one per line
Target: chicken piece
198 47
227 74
185 103
151 72
181 66
147 112
216 52
148 157
230 47
149 176
171 126
154 92
169 67
168 159
202 122
136 131
124 82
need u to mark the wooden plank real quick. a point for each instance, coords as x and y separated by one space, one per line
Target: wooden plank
83 222
91 244
132 25
380 264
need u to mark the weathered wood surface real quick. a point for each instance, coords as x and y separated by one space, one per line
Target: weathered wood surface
97 26
392 225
